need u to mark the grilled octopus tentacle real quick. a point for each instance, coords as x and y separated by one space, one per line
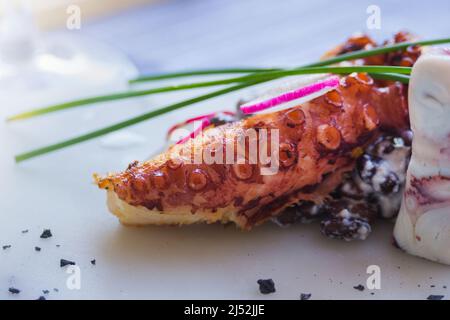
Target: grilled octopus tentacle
318 142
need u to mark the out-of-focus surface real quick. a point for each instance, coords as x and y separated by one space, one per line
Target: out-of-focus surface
185 34
55 191
52 13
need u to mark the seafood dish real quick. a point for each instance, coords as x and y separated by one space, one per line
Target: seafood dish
342 155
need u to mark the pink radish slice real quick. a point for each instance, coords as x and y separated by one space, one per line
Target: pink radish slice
190 120
253 107
205 122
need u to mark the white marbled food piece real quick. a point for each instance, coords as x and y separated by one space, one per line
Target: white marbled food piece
423 224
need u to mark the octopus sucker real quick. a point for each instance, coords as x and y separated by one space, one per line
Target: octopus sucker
317 144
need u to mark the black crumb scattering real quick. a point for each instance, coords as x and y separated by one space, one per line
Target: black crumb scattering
435 297
14 290
56 289
47 233
444 287
41 298
359 287
305 296
64 262
372 293
93 262
6 246
432 286
25 231
266 286
37 249
45 291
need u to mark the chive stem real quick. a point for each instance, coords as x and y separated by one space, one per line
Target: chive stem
206 72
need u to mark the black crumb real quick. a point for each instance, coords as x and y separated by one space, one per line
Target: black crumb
64 262
372 293
56 289
41 298
14 290
58 245
435 297
266 286
93 262
444 287
37 249
45 291
6 247
359 287
46 234
305 296
25 231
432 286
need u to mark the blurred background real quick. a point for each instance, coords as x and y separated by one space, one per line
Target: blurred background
181 34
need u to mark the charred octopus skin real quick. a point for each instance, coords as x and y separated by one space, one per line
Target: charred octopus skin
317 142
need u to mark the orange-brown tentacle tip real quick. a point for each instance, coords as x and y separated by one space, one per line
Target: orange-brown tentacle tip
329 136
103 183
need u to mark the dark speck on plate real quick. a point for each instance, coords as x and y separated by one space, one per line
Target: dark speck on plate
266 286
6 247
25 231
14 290
46 234
93 262
435 297
305 296
64 262
37 249
359 287
41 298
45 291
